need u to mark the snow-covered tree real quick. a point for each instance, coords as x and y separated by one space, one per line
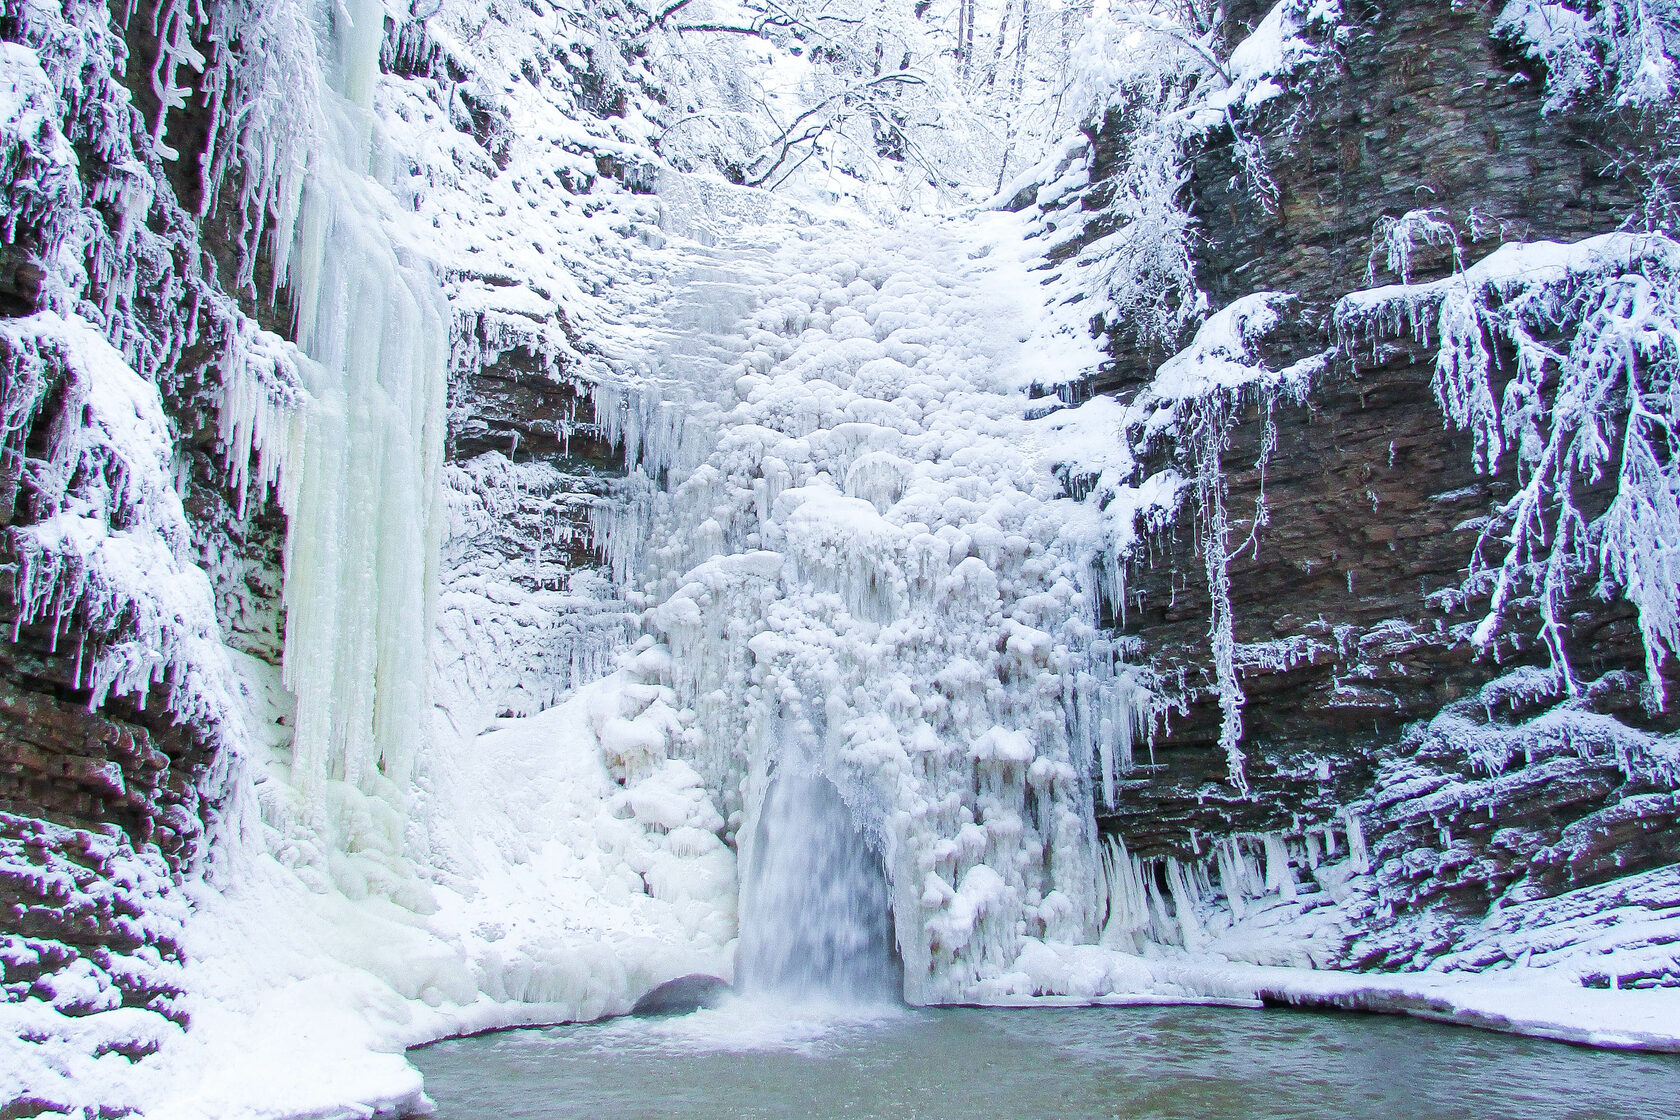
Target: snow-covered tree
1567 359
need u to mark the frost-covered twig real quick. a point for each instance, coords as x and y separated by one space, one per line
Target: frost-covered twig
1204 389
260 81
1199 45
817 120
1396 239
1209 440
1145 268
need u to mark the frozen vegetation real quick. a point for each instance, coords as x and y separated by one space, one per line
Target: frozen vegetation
826 535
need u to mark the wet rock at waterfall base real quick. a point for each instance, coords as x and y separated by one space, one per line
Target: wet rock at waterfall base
681 996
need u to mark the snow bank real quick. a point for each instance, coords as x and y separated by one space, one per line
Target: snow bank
564 896
1254 934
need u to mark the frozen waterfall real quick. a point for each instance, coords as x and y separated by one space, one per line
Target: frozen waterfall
871 590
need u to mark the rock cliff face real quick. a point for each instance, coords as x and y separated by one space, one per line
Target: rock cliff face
1362 687
105 801
97 813
526 462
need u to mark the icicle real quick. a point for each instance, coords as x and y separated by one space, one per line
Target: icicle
1356 843
350 438
1231 877
1280 876
1185 904
1127 899
262 412
1163 925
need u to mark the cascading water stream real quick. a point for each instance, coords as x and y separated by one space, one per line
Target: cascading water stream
815 908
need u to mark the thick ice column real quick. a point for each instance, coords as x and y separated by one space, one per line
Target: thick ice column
362 543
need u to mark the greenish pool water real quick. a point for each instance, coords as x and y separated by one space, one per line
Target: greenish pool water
1186 1063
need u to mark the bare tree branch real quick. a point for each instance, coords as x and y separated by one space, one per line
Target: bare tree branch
825 114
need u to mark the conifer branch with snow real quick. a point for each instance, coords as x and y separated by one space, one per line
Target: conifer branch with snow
1567 357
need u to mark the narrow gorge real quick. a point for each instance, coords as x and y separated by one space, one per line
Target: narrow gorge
507 506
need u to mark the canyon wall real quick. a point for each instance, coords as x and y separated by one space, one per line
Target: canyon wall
1364 691
1421 797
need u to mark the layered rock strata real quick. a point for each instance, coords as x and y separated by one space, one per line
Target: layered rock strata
1362 686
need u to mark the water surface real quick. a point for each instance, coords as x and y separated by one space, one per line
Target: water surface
1184 1063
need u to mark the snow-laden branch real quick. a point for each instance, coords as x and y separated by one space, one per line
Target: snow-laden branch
1199 45
767 17
1623 50
1144 267
1569 357
1394 240
864 96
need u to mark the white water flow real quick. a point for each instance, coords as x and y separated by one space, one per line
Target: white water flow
815 908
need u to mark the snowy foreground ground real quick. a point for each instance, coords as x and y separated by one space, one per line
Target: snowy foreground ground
304 1001
583 895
